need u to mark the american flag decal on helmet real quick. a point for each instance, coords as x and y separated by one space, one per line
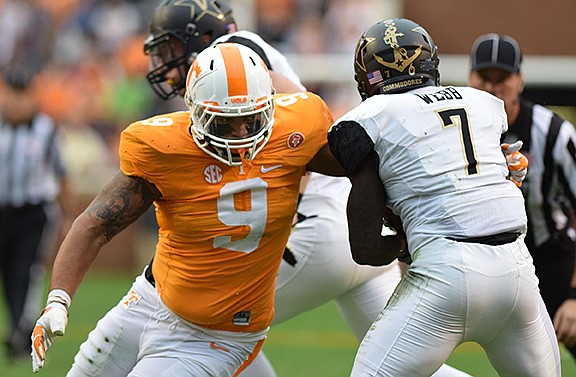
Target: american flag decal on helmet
374 77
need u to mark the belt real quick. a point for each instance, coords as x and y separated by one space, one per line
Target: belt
492 240
148 274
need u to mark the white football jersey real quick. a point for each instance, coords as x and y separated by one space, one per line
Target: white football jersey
441 163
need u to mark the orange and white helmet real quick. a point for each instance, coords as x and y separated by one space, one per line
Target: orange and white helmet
230 96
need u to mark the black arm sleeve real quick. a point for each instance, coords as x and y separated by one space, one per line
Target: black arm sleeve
350 144
365 210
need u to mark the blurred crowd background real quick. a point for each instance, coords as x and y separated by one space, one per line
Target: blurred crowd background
91 68
90 73
90 65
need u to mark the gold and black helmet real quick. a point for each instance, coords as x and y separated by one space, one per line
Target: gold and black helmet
394 56
178 31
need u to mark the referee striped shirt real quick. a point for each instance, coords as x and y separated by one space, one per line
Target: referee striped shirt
31 164
550 185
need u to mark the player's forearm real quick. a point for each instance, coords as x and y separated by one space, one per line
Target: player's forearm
375 250
365 212
76 254
325 163
78 251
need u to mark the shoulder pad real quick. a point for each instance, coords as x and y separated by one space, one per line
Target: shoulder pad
350 144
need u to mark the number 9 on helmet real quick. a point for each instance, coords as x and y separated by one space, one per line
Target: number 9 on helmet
230 97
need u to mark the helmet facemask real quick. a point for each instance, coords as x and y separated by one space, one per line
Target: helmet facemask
233 136
169 57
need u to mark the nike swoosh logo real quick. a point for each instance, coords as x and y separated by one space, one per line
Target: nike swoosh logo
266 170
214 346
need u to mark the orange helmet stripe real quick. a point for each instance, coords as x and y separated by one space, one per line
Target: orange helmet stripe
235 72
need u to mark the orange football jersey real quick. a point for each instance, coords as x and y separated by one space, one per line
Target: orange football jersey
223 229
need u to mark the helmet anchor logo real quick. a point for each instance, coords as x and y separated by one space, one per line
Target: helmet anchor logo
401 58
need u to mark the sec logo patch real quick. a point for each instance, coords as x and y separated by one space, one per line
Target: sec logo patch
213 174
295 140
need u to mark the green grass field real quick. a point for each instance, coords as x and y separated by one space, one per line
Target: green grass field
317 343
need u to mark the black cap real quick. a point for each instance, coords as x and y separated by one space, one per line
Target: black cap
496 51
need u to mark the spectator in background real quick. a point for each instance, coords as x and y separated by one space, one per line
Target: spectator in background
332 27
26 31
113 21
129 97
32 180
550 185
350 18
275 20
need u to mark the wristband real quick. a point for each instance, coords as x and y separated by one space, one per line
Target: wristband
60 296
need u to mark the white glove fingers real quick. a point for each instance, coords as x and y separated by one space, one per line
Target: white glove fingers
511 148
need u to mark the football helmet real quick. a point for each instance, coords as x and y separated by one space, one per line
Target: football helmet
230 96
394 56
178 31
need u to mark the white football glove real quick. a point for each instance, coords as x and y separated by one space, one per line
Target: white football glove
516 161
52 323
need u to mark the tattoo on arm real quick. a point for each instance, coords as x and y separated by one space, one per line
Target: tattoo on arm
121 202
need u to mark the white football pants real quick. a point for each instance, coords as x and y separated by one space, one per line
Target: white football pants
456 292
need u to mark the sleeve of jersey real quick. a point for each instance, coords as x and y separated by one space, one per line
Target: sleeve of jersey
350 144
502 117
134 154
315 118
